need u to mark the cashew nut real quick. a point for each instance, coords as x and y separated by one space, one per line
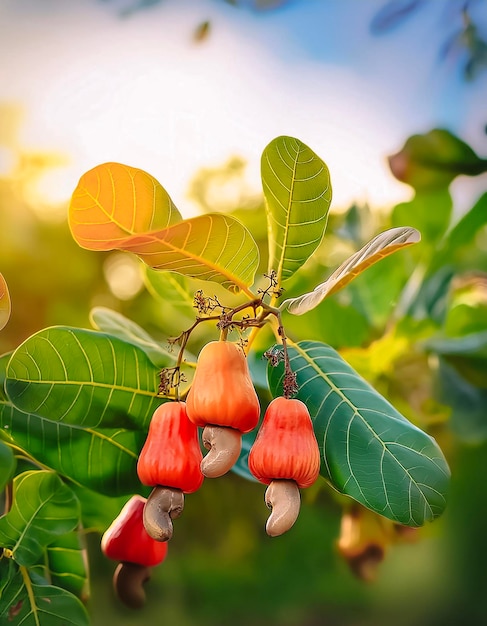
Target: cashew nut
224 445
163 505
283 498
128 581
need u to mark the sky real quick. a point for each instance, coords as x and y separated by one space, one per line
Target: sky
140 90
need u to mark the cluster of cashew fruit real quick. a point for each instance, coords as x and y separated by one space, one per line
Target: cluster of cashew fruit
223 402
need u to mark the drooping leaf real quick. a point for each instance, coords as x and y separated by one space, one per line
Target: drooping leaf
212 247
27 604
7 465
379 247
5 305
119 207
117 325
84 378
113 201
43 508
431 161
66 564
297 191
369 450
102 459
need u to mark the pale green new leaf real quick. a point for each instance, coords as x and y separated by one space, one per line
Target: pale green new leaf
369 450
297 191
376 249
84 378
112 323
43 509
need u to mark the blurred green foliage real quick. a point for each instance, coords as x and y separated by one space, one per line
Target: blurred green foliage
414 325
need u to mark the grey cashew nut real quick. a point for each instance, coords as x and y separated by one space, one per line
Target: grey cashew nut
128 582
163 505
284 499
224 445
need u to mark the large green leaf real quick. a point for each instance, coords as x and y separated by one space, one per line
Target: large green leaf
369 450
24 603
43 508
297 190
84 378
101 459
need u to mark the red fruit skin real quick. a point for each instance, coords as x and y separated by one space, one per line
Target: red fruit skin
171 455
222 392
127 541
286 446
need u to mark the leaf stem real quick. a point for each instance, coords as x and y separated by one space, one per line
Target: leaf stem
30 593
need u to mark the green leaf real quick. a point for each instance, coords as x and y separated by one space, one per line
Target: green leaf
7 465
4 359
379 247
460 240
101 459
473 345
43 508
173 290
428 212
117 325
84 378
66 564
431 161
369 450
98 511
23 603
466 401
297 190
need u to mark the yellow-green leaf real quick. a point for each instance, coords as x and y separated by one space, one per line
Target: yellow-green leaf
379 247
209 247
